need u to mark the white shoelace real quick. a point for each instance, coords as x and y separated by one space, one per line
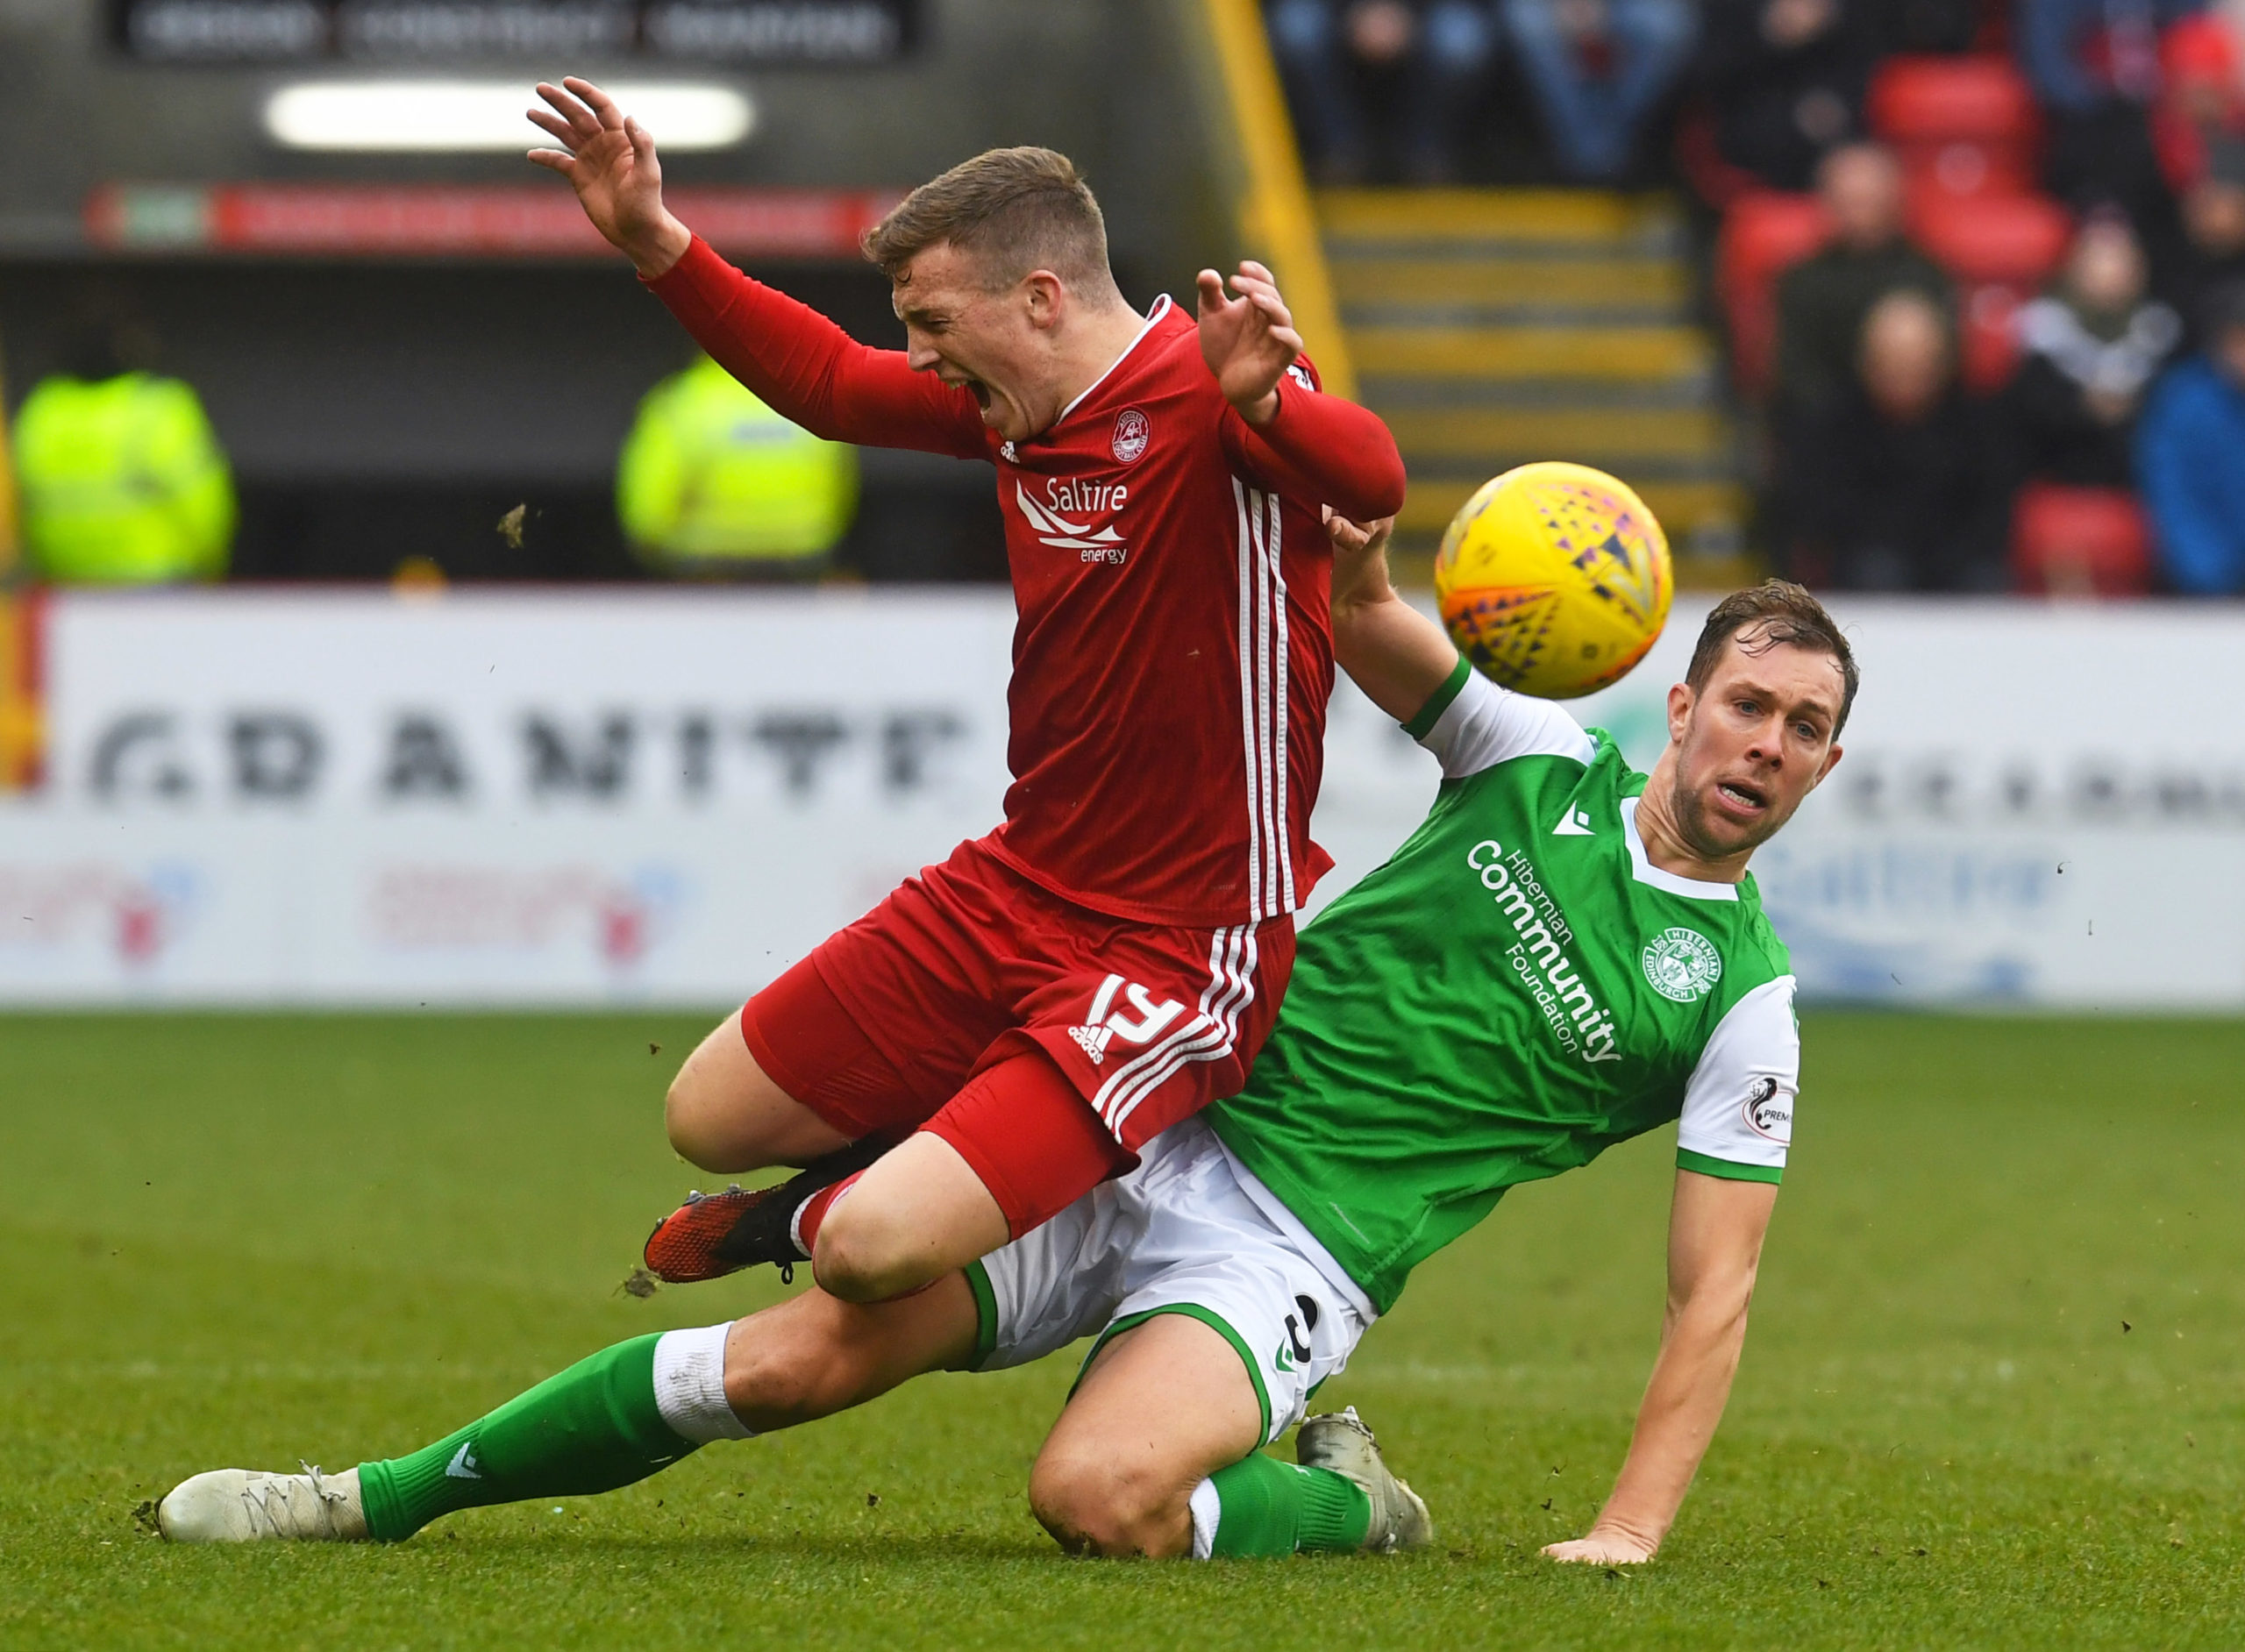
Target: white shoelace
260 1495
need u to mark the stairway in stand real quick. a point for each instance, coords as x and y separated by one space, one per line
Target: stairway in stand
1491 327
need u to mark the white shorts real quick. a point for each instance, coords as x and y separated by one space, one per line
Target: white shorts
1181 1234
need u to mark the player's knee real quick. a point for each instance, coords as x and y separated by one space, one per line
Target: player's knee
1092 1504
785 1368
863 1256
769 1385
690 1122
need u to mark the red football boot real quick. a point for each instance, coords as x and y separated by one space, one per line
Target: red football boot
712 1234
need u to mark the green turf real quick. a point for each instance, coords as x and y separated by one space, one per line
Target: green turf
238 1240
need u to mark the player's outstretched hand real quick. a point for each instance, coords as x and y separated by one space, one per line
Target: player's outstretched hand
1360 560
1247 341
610 160
1353 539
1601 1547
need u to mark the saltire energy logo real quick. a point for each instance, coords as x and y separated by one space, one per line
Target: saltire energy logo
1090 544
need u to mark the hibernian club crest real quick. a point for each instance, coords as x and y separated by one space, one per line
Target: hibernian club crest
1682 964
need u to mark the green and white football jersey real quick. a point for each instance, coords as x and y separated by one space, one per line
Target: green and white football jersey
1516 990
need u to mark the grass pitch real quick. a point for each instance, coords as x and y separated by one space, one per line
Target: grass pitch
1991 1395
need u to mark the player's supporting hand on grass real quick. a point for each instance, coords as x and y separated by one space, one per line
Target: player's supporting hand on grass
610 160
1247 341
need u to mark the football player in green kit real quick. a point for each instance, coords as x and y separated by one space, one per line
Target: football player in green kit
1564 954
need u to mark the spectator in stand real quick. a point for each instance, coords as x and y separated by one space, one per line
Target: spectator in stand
1894 487
2213 220
1822 301
1785 79
711 483
2088 350
2191 458
2201 95
1597 68
122 479
2095 67
1437 53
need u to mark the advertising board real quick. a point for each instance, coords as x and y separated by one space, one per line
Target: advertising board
669 796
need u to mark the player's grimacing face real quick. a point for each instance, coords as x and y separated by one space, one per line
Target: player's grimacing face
987 342
1752 742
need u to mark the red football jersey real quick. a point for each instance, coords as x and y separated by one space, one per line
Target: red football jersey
1174 651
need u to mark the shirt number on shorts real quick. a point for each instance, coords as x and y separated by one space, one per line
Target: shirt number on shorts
1105 1023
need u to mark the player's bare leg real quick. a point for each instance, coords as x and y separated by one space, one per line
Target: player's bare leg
813 1355
1157 1455
724 1113
1165 1406
1017 1144
910 1216
919 1213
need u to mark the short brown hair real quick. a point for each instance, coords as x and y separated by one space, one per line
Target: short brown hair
1784 613
1015 209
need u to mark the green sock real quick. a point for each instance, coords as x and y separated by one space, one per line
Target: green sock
592 1428
1270 1507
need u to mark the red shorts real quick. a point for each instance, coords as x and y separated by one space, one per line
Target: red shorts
970 964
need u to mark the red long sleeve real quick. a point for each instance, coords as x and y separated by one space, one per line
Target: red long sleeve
1322 450
806 368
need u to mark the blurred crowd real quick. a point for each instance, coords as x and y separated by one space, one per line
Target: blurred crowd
120 477
1980 263
1980 266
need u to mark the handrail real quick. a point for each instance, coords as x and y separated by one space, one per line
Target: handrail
1272 207
21 737
10 539
20 734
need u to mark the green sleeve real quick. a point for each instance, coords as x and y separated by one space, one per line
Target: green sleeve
1439 702
1686 1159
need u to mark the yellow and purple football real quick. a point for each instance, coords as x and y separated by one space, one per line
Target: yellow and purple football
1554 580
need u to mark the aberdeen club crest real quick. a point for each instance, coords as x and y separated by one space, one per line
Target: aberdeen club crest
1130 433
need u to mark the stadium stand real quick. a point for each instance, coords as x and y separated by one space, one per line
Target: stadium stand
398 347
1633 325
1490 327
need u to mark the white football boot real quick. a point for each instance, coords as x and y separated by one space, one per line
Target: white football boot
245 1506
1339 1440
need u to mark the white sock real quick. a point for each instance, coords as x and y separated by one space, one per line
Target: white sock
1207 1508
690 1385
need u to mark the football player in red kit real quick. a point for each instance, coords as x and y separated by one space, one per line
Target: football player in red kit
1110 958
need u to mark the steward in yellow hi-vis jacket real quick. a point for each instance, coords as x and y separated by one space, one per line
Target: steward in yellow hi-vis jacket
712 482
123 482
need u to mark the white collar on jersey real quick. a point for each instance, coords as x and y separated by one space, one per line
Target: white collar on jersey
1645 872
1160 308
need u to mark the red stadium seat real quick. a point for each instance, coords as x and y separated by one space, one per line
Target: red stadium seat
1963 126
2010 240
1980 99
1764 233
2079 542
2000 250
